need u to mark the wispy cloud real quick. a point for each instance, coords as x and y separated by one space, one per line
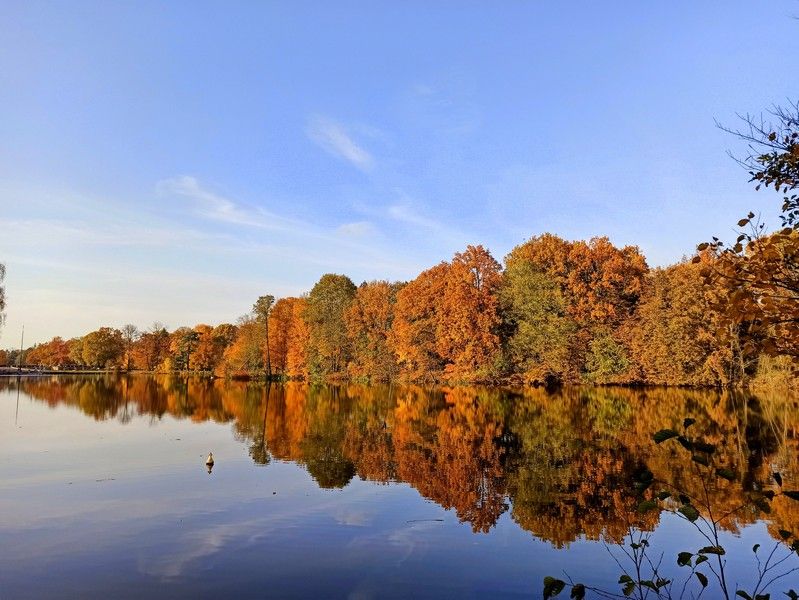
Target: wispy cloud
357 229
334 139
406 214
210 204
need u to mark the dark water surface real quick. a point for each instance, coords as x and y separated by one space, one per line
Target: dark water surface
357 491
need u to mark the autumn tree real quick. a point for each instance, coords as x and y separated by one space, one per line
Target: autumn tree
601 286
604 282
52 354
757 297
182 344
369 319
76 351
130 334
328 348
288 337
447 319
298 340
103 348
211 344
468 314
280 322
759 272
414 331
672 337
243 357
261 310
152 348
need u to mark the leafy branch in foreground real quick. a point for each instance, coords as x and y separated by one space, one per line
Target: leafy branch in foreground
645 575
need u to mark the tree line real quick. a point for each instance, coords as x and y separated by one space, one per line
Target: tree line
556 311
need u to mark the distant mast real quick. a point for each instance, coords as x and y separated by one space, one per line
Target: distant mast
21 346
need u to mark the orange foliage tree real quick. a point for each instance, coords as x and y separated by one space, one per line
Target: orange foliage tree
601 285
287 337
414 331
368 320
447 319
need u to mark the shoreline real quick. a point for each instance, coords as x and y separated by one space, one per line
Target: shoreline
13 372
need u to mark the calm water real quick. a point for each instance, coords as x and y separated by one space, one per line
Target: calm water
354 491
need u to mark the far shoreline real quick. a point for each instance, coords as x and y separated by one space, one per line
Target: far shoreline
14 372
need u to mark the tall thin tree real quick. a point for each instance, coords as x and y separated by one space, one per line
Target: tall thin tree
262 308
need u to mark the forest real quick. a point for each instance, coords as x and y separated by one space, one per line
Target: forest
554 311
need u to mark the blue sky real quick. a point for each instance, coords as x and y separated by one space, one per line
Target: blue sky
173 161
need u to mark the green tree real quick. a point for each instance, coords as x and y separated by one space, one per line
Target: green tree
328 350
607 359
672 339
537 326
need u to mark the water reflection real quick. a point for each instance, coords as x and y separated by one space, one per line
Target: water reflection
562 463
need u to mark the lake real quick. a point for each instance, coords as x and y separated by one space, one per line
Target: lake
359 491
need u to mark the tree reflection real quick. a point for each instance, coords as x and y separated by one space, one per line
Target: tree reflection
564 464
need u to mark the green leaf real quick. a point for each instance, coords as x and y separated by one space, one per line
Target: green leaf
689 421
743 594
649 584
704 447
778 479
625 579
700 559
685 443
793 495
628 589
702 460
702 579
763 597
792 595
689 512
684 558
785 534
578 591
755 548
713 550
647 505
553 587
664 434
726 473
